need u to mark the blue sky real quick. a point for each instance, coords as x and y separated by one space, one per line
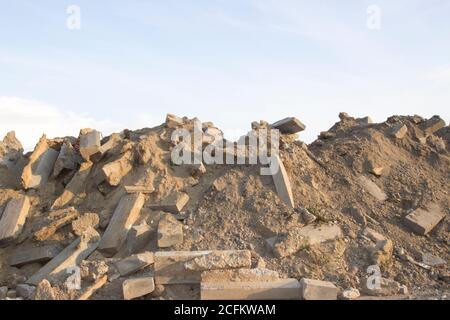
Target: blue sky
231 62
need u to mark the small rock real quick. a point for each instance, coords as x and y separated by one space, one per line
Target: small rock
3 292
25 291
432 260
351 294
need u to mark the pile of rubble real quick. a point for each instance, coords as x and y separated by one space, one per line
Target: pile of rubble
361 212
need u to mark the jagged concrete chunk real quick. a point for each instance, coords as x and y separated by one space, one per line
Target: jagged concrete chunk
399 131
134 263
422 221
172 121
288 289
138 238
116 170
294 240
170 267
240 275
22 256
74 187
170 231
67 159
13 218
112 142
281 181
47 231
141 189
289 126
10 150
318 290
173 204
138 287
432 125
40 165
226 259
372 188
89 143
71 256
124 217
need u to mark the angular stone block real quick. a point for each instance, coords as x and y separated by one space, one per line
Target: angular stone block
67 159
281 181
399 131
422 221
240 275
13 218
138 287
74 187
288 289
89 143
21 256
174 203
170 231
40 165
125 215
134 263
138 238
289 125
221 259
432 125
71 256
116 170
318 290
172 121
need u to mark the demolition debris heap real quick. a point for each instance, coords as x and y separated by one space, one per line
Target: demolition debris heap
360 212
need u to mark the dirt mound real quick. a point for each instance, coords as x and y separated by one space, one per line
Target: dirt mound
365 194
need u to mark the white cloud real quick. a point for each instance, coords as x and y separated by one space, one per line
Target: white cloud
439 75
30 119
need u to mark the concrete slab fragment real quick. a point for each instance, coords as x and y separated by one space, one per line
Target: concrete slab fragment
13 218
423 221
22 256
282 182
289 125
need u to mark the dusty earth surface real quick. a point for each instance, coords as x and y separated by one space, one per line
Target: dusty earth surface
235 207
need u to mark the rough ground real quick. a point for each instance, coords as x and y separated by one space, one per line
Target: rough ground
234 207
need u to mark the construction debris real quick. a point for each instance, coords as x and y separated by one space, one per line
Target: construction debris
318 290
138 287
13 218
84 218
422 222
170 231
124 216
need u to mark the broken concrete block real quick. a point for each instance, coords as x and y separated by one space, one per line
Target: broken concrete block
170 231
240 275
13 218
174 203
422 221
22 256
89 291
141 189
399 131
50 229
134 263
11 150
67 159
170 268
71 256
318 290
385 287
89 143
226 259
45 291
172 121
40 165
112 142
289 125
125 215
138 238
364 121
288 289
293 241
432 125
373 235
281 181
370 187
74 187
113 172
382 253
137 287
